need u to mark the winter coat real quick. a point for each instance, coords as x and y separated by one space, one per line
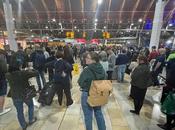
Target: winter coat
141 76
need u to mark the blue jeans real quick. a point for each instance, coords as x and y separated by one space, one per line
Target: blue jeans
40 73
88 113
121 72
18 103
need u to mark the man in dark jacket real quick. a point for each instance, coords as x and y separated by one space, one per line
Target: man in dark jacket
38 59
18 81
121 63
140 81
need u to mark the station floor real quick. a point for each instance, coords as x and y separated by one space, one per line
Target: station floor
116 112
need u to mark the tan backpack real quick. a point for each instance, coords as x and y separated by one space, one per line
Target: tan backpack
99 92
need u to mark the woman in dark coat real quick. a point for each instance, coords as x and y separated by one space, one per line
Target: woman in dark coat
140 81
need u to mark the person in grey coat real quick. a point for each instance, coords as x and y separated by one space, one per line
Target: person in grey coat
111 63
140 81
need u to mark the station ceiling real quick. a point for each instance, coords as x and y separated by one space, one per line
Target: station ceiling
82 13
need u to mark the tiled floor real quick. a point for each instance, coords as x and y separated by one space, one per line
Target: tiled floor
116 113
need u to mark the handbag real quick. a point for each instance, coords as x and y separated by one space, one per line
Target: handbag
29 93
168 106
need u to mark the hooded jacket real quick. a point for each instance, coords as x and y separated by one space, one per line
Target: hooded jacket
93 71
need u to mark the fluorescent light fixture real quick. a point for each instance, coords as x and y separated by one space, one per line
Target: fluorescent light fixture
170 24
54 20
100 1
140 20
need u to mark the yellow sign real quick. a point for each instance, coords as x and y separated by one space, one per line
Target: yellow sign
70 35
106 35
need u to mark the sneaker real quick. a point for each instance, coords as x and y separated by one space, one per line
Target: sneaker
5 111
33 121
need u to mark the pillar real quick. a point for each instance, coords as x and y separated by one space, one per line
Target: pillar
157 23
10 25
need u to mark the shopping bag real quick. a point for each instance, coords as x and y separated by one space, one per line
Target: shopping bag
76 70
168 106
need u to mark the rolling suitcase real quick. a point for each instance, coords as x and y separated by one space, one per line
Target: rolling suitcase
47 94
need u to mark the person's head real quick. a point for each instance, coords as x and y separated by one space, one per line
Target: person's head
103 56
52 53
142 59
123 51
109 51
92 57
162 51
153 48
59 54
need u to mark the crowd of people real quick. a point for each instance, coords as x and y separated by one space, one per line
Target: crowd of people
110 63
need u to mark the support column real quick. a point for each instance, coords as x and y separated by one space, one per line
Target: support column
157 23
10 25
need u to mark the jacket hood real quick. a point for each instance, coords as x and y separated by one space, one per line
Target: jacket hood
98 70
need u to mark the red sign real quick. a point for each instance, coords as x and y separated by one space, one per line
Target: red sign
81 40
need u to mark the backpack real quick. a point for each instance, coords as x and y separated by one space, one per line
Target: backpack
99 92
39 60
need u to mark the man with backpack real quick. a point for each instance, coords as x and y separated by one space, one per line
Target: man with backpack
38 59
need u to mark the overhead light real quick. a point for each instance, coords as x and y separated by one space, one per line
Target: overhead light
75 27
104 27
140 20
96 20
170 25
13 19
31 30
95 24
132 24
46 27
60 23
54 20
100 1
32 35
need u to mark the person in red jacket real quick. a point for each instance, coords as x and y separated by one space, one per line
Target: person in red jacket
153 54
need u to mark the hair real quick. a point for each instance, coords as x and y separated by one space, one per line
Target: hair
123 51
94 56
59 54
143 58
103 56
153 47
